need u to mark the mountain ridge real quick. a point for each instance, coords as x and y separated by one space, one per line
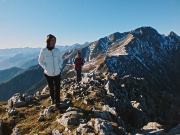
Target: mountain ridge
130 85
158 42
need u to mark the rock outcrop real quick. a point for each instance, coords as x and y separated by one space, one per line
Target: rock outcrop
105 104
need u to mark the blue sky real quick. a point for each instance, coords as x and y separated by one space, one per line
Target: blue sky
25 23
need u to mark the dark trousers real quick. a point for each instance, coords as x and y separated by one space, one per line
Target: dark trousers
54 86
78 72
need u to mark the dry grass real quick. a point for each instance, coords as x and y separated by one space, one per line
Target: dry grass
80 104
26 120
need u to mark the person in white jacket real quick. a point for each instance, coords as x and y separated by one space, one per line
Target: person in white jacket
50 59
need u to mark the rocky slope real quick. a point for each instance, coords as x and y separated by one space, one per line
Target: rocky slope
100 104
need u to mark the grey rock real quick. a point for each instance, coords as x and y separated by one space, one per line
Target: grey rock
44 94
56 132
85 79
10 104
48 110
152 128
41 117
174 131
17 101
103 127
28 97
109 109
16 131
12 112
69 118
84 128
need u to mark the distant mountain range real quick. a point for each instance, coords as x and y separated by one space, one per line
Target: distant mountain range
26 57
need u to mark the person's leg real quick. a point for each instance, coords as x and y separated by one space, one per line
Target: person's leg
51 86
57 89
77 79
79 75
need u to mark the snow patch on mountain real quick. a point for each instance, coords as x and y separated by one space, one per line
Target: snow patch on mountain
121 50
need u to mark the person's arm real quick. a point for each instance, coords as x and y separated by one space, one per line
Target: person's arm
60 60
41 60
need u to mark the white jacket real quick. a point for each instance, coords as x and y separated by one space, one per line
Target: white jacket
50 61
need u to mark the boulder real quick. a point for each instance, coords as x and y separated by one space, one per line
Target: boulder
28 97
105 128
17 100
152 128
69 118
